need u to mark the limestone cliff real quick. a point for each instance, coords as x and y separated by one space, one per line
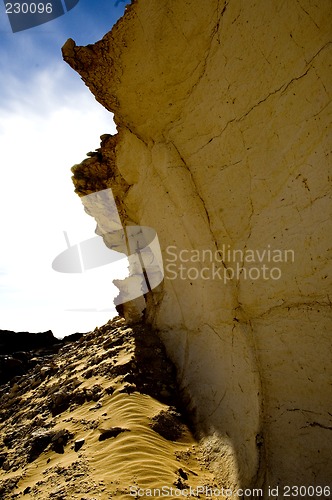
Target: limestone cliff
223 114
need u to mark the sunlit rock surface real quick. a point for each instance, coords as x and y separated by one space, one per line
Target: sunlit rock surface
223 116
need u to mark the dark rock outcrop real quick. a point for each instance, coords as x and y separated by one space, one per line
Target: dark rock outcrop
21 351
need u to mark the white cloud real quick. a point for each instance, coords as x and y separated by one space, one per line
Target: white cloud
44 130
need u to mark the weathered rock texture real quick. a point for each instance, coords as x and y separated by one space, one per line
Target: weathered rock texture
223 111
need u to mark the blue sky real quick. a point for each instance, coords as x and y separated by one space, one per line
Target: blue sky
48 122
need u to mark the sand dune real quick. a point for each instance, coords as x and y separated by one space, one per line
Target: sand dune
114 389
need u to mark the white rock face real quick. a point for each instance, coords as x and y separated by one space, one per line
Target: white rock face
223 147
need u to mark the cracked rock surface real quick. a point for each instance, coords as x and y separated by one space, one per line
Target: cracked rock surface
223 114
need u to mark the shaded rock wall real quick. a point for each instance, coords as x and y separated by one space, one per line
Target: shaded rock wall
222 113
